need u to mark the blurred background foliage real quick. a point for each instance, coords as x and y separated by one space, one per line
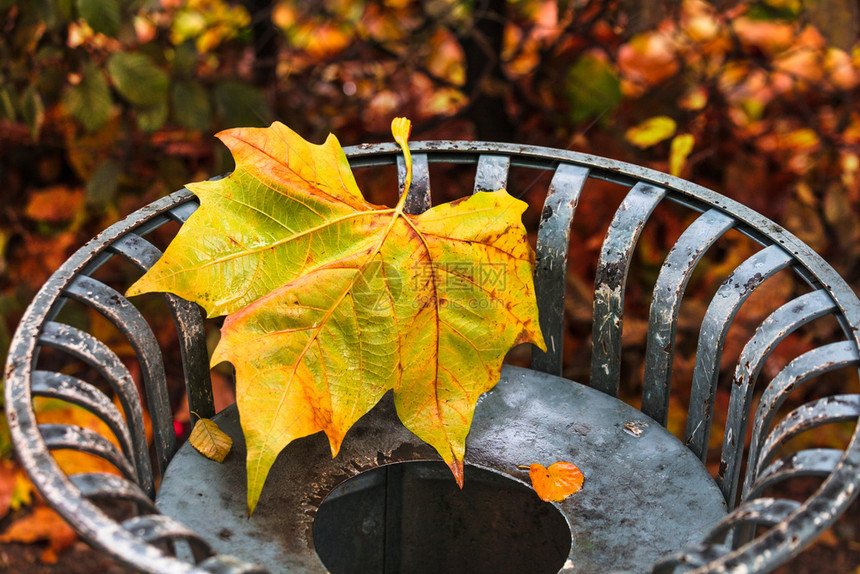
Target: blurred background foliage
106 105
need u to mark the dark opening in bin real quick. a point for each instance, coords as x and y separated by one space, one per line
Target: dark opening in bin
411 517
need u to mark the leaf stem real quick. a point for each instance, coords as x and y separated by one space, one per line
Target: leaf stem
400 129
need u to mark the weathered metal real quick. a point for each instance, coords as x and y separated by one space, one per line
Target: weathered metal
622 520
151 542
551 262
610 281
666 304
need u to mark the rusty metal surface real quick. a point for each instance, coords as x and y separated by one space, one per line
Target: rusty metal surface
769 548
96 354
835 409
186 316
492 172
644 495
418 200
159 528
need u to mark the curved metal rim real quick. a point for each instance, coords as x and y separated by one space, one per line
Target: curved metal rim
839 489
87 519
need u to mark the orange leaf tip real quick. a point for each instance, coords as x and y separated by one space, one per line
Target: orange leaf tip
557 482
456 467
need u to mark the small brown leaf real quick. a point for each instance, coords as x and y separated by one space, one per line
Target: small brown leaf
557 482
209 440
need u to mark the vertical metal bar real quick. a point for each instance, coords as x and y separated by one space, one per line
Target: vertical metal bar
392 545
418 200
189 325
553 243
492 172
609 284
665 304
732 293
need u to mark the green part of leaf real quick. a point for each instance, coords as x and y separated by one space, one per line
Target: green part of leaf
101 189
209 440
333 301
239 104
32 110
39 11
244 246
185 60
138 79
152 118
7 105
593 88
191 106
102 15
66 10
90 101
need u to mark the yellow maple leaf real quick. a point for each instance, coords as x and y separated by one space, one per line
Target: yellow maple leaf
333 301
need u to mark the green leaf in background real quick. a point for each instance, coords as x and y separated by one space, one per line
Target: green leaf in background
7 105
90 101
191 107
593 88
32 110
139 80
101 188
242 105
102 15
151 118
184 62
38 12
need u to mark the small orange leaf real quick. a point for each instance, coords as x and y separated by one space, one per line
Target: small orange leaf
557 482
55 204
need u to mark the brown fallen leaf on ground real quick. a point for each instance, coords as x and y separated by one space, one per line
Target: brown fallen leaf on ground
42 525
557 482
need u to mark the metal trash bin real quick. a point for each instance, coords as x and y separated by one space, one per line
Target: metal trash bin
759 531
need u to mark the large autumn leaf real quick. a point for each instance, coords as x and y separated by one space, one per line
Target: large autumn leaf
333 301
